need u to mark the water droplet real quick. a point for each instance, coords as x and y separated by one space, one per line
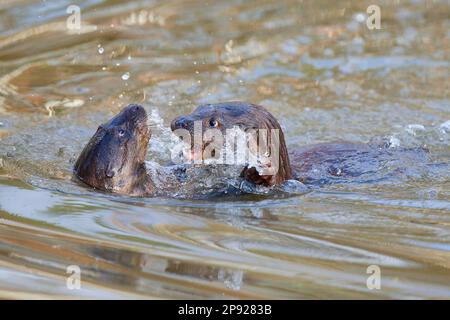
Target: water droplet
126 76
360 17
394 142
101 50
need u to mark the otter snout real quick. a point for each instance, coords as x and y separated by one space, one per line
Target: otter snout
135 110
181 123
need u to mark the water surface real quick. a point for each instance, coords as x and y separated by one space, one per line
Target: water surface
314 64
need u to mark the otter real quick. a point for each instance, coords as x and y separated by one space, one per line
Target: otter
245 116
113 159
314 164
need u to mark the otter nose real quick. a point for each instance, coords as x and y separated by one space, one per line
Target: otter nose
182 123
136 108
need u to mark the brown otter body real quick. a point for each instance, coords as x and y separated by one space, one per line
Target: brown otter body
113 160
318 163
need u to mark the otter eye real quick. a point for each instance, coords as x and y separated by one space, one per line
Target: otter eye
121 132
213 123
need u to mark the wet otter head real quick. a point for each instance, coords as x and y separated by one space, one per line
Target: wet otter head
246 116
113 160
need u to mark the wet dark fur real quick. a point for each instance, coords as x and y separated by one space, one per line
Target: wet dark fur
246 116
113 159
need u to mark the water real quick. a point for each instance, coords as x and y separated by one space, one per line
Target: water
314 64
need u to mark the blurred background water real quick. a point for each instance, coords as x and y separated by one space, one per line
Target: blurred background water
314 64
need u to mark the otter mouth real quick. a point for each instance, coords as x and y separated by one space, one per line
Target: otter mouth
198 155
143 129
137 119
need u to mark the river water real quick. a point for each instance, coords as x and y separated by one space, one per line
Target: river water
314 64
